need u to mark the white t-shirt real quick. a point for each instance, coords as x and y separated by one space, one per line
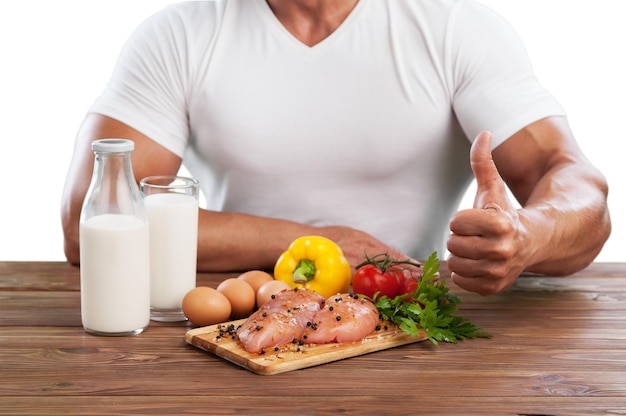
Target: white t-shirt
368 128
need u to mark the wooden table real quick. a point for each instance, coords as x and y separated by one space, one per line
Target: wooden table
558 348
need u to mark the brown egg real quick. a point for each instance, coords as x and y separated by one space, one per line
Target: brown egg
266 291
241 296
256 278
206 306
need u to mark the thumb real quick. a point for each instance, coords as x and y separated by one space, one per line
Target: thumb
491 191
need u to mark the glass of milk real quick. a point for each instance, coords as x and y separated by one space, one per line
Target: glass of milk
171 205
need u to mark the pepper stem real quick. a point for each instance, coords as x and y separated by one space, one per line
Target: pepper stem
304 271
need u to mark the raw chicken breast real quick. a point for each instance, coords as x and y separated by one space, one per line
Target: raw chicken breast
281 320
344 318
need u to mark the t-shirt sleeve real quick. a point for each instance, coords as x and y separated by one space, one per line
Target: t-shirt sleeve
148 88
495 87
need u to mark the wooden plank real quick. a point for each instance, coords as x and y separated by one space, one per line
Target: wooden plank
361 403
140 374
295 356
64 276
44 276
20 308
69 362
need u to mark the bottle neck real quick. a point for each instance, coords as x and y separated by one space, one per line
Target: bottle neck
113 188
114 168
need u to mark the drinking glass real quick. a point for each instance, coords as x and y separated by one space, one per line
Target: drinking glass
171 204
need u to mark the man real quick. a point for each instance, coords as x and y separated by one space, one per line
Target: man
350 119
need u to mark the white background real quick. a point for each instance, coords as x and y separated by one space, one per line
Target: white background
57 57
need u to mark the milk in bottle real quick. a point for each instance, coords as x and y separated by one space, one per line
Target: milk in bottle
114 246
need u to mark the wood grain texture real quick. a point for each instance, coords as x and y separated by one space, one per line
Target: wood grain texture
257 403
558 347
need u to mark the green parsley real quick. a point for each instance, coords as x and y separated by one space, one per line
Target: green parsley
431 308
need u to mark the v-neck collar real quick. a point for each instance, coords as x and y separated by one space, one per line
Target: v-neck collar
276 25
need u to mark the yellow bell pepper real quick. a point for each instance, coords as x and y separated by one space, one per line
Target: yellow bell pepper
315 263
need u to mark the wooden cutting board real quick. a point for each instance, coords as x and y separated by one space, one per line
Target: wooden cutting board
293 357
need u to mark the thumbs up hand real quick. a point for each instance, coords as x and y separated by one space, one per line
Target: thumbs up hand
486 241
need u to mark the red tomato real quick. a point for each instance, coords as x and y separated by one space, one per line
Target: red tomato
408 286
369 279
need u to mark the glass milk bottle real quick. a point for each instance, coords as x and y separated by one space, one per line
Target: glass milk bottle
114 246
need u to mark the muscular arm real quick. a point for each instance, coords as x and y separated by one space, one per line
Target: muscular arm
561 226
226 241
564 197
148 159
